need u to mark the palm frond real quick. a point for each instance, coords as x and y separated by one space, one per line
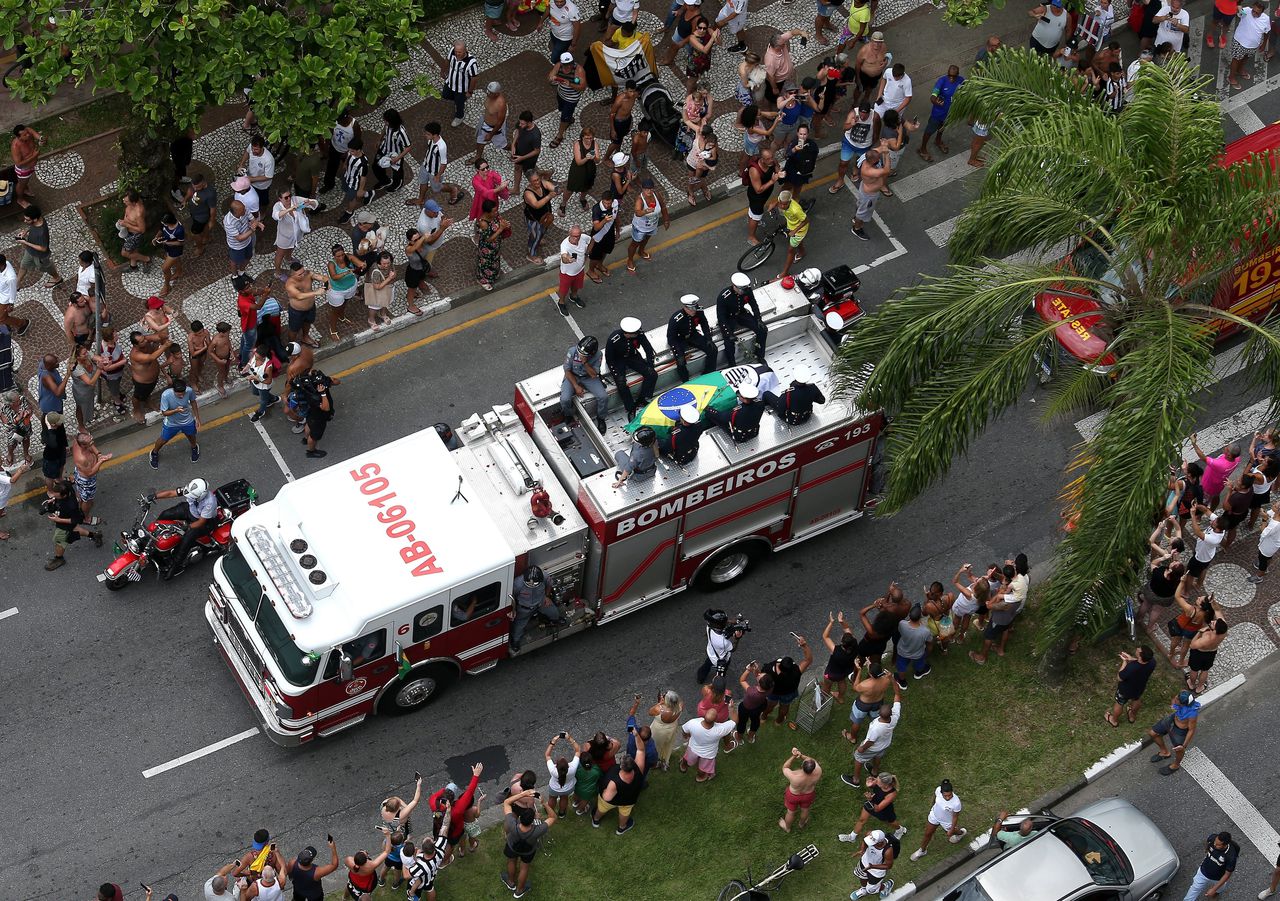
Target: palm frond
1074 388
1123 471
1016 86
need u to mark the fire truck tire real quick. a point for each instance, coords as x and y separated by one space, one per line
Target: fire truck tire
728 565
416 690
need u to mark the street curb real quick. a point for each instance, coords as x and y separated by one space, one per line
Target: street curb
1059 794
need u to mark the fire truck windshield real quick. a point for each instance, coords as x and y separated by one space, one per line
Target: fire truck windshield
297 667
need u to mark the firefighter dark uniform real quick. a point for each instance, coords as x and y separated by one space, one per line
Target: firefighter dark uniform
628 350
743 421
688 327
736 308
795 405
681 443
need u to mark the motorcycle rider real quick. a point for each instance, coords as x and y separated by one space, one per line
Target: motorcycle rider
199 510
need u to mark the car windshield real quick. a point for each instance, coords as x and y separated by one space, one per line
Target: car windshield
969 891
297 667
1101 856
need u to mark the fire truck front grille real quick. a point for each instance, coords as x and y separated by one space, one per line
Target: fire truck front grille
242 649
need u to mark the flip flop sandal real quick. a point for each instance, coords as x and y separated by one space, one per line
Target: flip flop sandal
1110 722
944 148
595 278
886 192
836 188
631 268
1156 758
1130 717
646 256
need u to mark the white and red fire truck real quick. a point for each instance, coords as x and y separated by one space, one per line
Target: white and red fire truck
373 584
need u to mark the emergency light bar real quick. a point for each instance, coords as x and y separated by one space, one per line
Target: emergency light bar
278 571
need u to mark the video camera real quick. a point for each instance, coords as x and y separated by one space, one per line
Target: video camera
719 621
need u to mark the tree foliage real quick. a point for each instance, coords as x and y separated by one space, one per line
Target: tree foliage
1144 194
300 59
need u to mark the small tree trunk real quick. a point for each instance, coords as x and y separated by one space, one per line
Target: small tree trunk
146 166
1053 665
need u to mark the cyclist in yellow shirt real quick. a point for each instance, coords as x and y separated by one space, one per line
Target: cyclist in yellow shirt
797 222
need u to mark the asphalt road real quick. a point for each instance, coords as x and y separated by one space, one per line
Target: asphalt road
102 687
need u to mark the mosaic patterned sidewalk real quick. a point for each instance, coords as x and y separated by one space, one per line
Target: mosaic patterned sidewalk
84 174
1251 611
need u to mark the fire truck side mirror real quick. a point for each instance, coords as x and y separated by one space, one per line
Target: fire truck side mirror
346 669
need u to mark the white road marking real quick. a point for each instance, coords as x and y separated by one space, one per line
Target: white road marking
203 752
1247 818
1221 689
275 451
941 233
1106 763
1237 425
573 323
1247 119
953 168
898 249
12 611
1259 88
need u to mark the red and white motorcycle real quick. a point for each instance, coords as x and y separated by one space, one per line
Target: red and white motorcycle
153 542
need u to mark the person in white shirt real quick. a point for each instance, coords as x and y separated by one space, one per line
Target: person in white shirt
1207 542
1173 25
895 92
945 813
704 743
566 23
573 264
1251 31
245 193
720 645
733 17
879 737
875 862
1268 542
9 299
261 166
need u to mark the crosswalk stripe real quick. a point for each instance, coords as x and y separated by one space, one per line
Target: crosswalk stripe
1247 818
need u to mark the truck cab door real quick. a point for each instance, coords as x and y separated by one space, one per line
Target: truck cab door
478 621
369 663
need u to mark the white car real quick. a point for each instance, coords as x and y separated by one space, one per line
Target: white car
1108 851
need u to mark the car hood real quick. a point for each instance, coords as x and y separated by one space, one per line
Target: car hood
1139 838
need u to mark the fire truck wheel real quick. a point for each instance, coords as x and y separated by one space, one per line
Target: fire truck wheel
417 689
727 566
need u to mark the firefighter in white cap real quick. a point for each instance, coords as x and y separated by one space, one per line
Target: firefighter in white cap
681 443
736 308
743 421
628 350
688 327
795 405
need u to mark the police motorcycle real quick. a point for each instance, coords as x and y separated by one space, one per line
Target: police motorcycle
832 299
153 542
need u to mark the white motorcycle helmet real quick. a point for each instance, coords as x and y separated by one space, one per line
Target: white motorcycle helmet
197 489
810 278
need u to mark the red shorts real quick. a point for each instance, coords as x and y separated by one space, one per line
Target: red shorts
570 285
798 802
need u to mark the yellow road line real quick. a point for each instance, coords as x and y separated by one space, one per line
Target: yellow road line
431 339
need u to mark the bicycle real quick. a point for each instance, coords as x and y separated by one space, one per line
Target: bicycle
759 254
751 890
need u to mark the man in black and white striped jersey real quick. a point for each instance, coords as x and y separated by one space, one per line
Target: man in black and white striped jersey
423 864
392 150
355 179
431 173
458 70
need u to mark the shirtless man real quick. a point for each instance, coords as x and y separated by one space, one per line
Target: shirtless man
76 322
874 173
135 223
870 689
88 460
220 353
869 65
302 302
25 150
1177 726
493 128
299 362
801 789
620 117
144 369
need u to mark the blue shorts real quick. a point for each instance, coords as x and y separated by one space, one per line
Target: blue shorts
169 431
824 10
638 232
566 108
240 254
848 151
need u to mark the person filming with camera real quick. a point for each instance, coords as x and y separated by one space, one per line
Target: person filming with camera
723 635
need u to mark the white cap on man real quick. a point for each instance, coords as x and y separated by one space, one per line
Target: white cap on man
690 301
740 280
493 88
689 414
748 391
875 837
566 58
630 325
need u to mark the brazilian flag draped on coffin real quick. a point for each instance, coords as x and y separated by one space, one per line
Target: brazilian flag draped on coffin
713 391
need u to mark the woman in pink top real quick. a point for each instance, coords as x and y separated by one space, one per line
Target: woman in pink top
486 185
1216 469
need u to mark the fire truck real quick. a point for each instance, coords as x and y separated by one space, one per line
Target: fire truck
1250 289
372 585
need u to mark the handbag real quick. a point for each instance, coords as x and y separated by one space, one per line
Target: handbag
303 221
546 219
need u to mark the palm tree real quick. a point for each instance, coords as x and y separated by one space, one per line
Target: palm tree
1156 222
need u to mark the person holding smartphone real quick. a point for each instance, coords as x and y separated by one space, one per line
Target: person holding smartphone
573 264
